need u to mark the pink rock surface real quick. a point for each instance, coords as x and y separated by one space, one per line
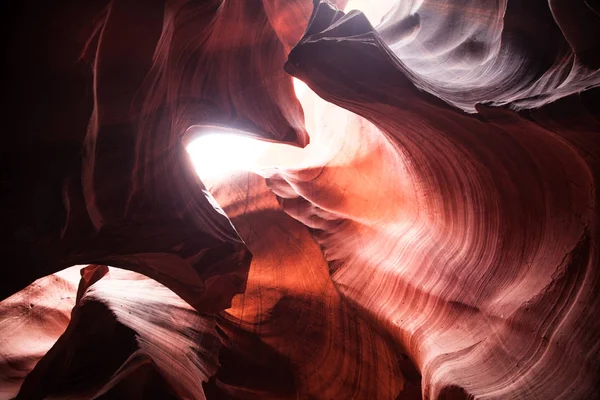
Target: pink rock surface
437 237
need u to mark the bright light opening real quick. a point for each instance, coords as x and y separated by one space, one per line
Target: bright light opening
299 87
374 10
220 155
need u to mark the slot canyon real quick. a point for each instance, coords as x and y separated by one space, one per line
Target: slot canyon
300 199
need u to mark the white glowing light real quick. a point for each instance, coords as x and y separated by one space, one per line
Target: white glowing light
375 11
220 155
299 87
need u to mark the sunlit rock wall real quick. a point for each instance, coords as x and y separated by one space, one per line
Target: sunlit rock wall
438 237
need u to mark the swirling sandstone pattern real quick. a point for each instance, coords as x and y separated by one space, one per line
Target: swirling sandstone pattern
438 237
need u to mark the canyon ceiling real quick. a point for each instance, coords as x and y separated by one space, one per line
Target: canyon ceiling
423 224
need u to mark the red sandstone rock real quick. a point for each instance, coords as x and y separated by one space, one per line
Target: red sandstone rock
438 237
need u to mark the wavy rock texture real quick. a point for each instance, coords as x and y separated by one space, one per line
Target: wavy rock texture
438 237
121 342
127 195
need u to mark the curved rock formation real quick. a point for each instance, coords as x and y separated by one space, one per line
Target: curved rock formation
437 238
